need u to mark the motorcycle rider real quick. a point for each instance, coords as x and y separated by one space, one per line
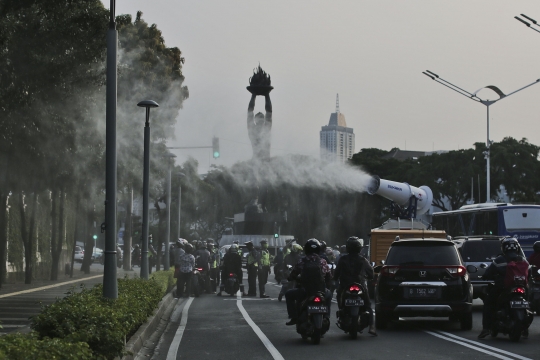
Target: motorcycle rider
264 269
214 265
312 249
534 258
290 260
278 265
353 267
202 260
496 272
232 263
253 260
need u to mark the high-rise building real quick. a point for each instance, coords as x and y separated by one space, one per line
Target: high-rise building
337 140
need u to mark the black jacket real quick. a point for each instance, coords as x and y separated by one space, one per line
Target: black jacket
497 270
353 268
232 263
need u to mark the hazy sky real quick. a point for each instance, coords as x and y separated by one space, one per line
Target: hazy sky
370 52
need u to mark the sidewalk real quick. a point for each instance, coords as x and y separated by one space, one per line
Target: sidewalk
19 301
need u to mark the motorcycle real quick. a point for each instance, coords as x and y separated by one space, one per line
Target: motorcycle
285 283
231 286
513 316
534 289
353 316
313 321
197 282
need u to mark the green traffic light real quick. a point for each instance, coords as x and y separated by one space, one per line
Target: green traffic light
95 237
276 235
216 154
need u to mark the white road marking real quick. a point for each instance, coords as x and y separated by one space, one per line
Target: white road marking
465 343
173 349
273 351
485 346
48 286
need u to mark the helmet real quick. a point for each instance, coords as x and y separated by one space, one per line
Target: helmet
354 245
264 242
248 244
179 243
336 247
343 249
509 245
210 244
312 246
233 248
536 246
296 248
323 245
188 248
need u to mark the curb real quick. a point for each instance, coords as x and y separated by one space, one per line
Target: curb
136 342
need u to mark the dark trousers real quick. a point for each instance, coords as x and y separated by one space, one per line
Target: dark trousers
294 296
490 306
263 278
252 279
183 280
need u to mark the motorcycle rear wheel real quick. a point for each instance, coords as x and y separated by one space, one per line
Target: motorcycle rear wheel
316 337
353 329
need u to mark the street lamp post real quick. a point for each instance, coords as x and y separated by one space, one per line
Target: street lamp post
146 178
487 104
180 175
166 264
110 283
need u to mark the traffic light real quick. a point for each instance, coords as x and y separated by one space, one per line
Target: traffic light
215 147
276 230
136 225
95 237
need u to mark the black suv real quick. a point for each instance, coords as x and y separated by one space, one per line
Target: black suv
423 277
480 251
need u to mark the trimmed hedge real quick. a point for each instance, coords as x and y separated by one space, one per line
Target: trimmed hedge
28 346
103 324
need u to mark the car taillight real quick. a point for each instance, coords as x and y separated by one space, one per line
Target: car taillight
519 290
317 299
389 270
199 269
354 288
457 271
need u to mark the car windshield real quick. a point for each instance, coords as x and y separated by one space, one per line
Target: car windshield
418 253
482 250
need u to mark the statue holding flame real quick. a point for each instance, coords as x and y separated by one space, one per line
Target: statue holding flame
260 125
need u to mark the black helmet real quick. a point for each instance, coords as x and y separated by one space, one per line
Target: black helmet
354 245
188 248
509 245
312 246
536 246
323 246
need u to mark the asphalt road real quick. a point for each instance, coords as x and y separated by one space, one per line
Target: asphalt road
215 328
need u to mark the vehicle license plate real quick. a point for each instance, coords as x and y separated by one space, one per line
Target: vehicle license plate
317 309
354 302
519 304
419 292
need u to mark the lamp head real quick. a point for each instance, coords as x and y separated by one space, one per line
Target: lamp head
148 104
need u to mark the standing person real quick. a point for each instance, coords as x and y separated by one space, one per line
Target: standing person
294 256
187 263
264 269
278 265
214 266
253 261
353 267
152 255
136 257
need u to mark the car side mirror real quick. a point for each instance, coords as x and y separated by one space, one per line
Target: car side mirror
383 262
373 264
471 269
377 269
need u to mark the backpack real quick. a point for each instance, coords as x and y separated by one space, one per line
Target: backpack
516 273
312 276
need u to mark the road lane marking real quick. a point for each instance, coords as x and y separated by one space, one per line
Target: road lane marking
269 346
477 348
485 346
173 349
48 286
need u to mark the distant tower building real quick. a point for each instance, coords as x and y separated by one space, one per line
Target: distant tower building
337 140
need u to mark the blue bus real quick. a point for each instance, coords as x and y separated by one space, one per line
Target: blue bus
500 219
